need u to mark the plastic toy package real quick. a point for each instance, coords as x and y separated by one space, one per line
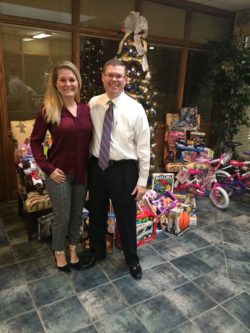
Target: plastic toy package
162 182
33 177
173 213
189 115
165 202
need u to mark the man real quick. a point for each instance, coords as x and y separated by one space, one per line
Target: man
124 179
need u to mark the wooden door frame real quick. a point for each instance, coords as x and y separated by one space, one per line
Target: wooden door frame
7 176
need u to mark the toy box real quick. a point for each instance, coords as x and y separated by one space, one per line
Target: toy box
197 138
145 228
179 217
44 227
178 221
162 182
164 202
173 167
190 117
172 121
188 202
171 138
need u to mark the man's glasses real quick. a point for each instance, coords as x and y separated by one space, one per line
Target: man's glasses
115 76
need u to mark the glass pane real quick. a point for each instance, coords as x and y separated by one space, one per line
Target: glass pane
94 53
164 21
243 136
55 11
194 95
163 65
206 27
27 64
108 14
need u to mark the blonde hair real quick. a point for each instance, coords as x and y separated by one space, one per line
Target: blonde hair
53 102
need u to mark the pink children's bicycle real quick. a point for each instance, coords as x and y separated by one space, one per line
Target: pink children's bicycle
202 183
237 181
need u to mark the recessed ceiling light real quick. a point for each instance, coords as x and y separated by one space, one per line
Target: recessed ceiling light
27 39
151 47
42 35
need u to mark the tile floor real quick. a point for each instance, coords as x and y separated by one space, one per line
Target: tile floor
198 282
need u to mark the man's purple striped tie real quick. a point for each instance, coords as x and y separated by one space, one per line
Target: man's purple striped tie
106 135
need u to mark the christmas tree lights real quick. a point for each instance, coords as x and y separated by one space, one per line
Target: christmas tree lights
132 51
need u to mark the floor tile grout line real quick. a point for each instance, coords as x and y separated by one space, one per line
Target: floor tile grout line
130 306
214 308
231 314
166 261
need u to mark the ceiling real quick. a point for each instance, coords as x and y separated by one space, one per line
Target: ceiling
231 5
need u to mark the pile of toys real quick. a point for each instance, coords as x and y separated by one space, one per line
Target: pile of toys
171 213
159 211
183 141
32 175
110 233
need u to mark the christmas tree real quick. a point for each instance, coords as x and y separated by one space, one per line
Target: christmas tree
132 51
91 62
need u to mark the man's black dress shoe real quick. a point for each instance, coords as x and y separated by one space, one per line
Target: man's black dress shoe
91 261
136 271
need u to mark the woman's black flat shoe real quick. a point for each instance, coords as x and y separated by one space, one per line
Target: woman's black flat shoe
77 265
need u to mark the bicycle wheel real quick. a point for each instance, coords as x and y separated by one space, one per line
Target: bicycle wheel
219 197
225 180
246 180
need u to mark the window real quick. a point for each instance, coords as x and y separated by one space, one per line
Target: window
163 65
94 53
55 11
164 21
195 93
28 62
206 27
108 14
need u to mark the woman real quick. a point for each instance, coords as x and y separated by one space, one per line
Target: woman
65 165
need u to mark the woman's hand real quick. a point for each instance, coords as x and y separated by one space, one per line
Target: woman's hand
58 176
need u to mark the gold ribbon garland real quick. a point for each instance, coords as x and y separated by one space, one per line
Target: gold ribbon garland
137 24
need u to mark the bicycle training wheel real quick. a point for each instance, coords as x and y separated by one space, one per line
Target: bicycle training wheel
220 198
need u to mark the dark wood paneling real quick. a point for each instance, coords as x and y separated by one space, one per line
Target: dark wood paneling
36 23
183 62
7 178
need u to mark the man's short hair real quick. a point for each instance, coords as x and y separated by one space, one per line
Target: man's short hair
114 62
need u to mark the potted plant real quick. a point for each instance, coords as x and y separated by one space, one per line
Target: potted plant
228 76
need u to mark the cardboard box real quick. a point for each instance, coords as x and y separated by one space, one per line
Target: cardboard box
173 167
172 121
162 182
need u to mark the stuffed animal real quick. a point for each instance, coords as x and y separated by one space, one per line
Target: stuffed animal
31 176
